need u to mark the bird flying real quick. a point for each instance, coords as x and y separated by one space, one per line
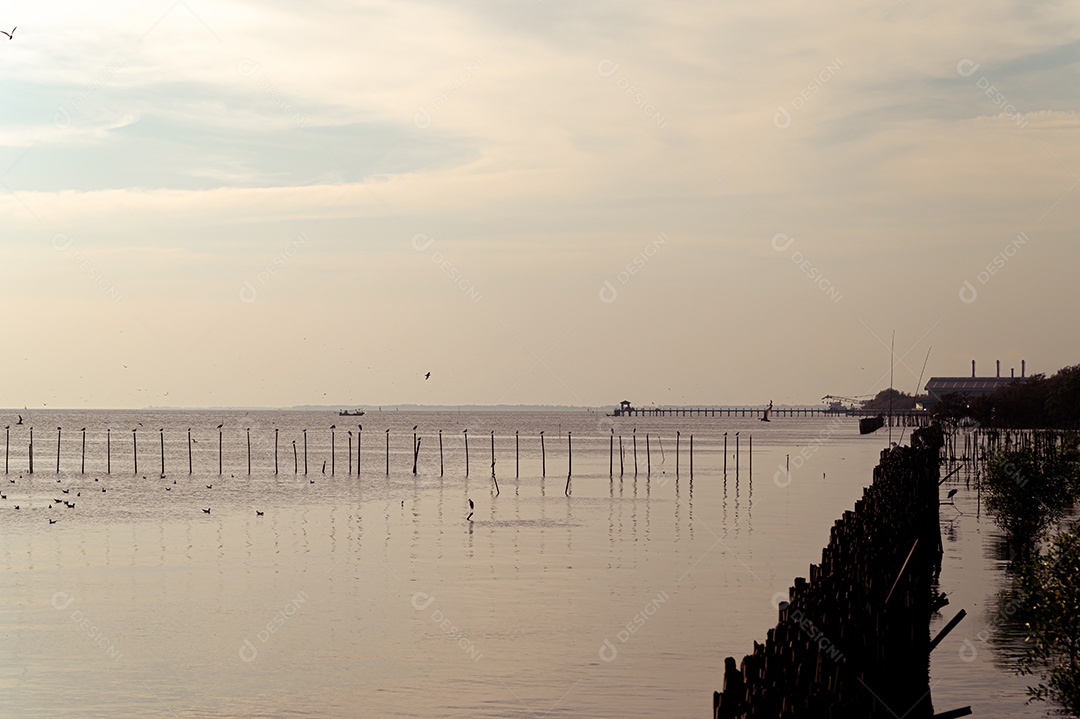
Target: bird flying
10 35
427 376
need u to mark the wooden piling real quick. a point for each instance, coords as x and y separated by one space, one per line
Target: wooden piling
543 457
219 447
440 454
189 450
569 460
108 451
635 451
622 458
492 453
359 441
387 451
31 450
416 454
135 451
648 456
466 433
750 455
350 452
161 437
275 450
333 454
691 456
517 455
736 454
295 465
7 452
678 439
725 452
305 451
611 454
58 450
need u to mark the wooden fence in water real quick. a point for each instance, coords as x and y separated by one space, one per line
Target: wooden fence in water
853 640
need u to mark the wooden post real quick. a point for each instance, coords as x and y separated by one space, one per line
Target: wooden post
611 454
350 452
108 451
387 451
678 440
517 455
416 453
219 451
622 456
249 449
333 454
648 456
135 451
635 451
31 450
295 466
691 456
7 447
359 441
82 468
58 450
440 454
161 437
466 433
543 456
570 460
189 450
492 453
305 452
750 455
275 450
736 453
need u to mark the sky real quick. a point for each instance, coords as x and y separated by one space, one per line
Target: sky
538 202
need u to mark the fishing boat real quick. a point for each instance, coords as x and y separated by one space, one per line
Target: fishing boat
871 424
351 413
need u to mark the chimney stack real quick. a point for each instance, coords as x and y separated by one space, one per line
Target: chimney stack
1012 372
1022 368
998 368
972 368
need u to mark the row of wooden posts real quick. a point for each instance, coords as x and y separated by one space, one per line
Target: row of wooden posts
416 452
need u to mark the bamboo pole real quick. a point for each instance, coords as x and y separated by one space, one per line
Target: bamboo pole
108 451
189 450
58 450
440 454
161 437
543 456
275 450
466 433
135 451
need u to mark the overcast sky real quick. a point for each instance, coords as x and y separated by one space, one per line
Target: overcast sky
271 203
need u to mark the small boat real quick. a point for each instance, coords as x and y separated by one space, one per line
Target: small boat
871 424
351 413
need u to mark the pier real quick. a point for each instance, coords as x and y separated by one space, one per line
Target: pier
904 418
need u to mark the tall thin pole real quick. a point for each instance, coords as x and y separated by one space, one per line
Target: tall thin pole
517 450
31 450
295 466
678 439
725 452
736 453
249 449
219 451
58 450
333 457
440 454
350 452
189 450
275 450
569 454
7 447
750 455
691 456
305 452
635 451
359 440
648 456
108 451
135 450
466 433
387 451
611 453
543 457
492 453
622 457
161 436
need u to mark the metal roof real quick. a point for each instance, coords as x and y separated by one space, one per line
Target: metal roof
968 385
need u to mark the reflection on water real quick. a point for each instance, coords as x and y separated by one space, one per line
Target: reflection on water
373 594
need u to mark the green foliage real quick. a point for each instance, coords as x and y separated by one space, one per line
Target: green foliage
1028 494
1051 583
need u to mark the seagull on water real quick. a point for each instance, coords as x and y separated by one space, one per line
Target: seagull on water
206 511
258 513
10 35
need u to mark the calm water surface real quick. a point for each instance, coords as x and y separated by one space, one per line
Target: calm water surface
373 595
